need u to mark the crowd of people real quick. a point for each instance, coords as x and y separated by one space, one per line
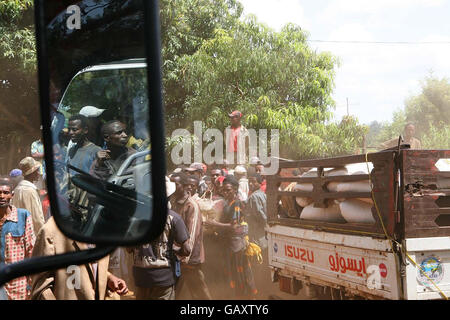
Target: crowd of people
224 211
213 245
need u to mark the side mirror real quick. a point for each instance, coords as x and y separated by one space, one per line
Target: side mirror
102 115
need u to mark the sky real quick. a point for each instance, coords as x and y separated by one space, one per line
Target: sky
408 39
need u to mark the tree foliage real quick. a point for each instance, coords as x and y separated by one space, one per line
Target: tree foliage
276 80
429 111
19 111
213 62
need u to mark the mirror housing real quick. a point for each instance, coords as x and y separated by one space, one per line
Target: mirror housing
141 217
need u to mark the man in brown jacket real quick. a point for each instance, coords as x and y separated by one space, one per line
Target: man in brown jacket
26 194
192 278
91 281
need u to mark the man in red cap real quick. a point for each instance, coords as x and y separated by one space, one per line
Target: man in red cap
236 142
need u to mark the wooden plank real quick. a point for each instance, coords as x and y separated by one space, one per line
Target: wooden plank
327 195
338 161
346 178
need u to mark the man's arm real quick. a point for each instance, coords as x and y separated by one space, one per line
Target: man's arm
185 249
181 236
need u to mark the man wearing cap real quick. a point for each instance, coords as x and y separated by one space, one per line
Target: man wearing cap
196 169
16 176
236 142
93 122
26 194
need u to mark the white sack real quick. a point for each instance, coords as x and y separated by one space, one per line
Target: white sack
356 211
330 214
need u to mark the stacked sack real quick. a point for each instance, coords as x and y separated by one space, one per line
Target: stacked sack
341 210
357 210
329 214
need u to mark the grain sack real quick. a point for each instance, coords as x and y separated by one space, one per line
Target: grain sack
356 211
305 201
443 165
359 168
355 186
330 214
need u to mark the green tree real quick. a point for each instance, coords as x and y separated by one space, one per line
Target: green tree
19 111
185 25
276 80
429 111
431 108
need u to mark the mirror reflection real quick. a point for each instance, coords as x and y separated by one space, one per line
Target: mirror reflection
100 110
103 154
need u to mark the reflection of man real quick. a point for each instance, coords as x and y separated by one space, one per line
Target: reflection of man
93 122
17 240
408 138
83 152
236 135
109 160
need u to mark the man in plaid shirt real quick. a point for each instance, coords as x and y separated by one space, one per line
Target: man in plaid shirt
16 240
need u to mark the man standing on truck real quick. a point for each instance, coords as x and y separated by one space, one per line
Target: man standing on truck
407 138
236 135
